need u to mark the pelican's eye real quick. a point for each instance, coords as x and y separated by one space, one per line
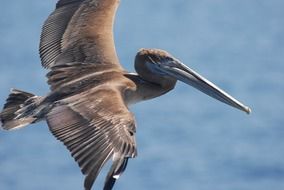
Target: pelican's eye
154 67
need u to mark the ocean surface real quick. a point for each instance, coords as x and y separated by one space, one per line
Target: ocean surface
186 140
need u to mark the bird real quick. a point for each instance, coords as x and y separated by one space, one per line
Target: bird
87 108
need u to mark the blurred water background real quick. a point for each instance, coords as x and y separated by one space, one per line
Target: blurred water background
186 140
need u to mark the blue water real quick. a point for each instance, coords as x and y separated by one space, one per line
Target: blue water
186 140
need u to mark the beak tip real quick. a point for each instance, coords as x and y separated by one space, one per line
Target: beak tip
247 110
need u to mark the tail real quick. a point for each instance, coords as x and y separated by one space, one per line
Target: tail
19 110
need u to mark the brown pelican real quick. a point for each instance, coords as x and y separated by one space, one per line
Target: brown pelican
87 108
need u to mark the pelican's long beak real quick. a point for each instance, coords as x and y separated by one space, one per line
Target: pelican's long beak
181 72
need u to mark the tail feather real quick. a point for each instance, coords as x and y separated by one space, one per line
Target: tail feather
15 104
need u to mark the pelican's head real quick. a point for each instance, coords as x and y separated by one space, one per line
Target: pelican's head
157 65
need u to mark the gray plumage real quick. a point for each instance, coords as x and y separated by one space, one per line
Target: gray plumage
87 108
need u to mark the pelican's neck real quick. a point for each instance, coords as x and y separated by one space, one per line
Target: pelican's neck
145 90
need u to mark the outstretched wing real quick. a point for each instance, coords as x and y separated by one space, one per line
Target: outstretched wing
95 127
79 31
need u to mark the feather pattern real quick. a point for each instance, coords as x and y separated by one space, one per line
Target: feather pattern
79 31
64 75
93 136
54 29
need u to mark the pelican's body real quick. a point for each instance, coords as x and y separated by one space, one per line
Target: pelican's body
87 108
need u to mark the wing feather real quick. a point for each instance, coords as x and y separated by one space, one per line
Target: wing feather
79 31
54 29
94 128
117 168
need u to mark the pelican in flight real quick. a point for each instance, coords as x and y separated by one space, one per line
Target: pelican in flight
87 107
